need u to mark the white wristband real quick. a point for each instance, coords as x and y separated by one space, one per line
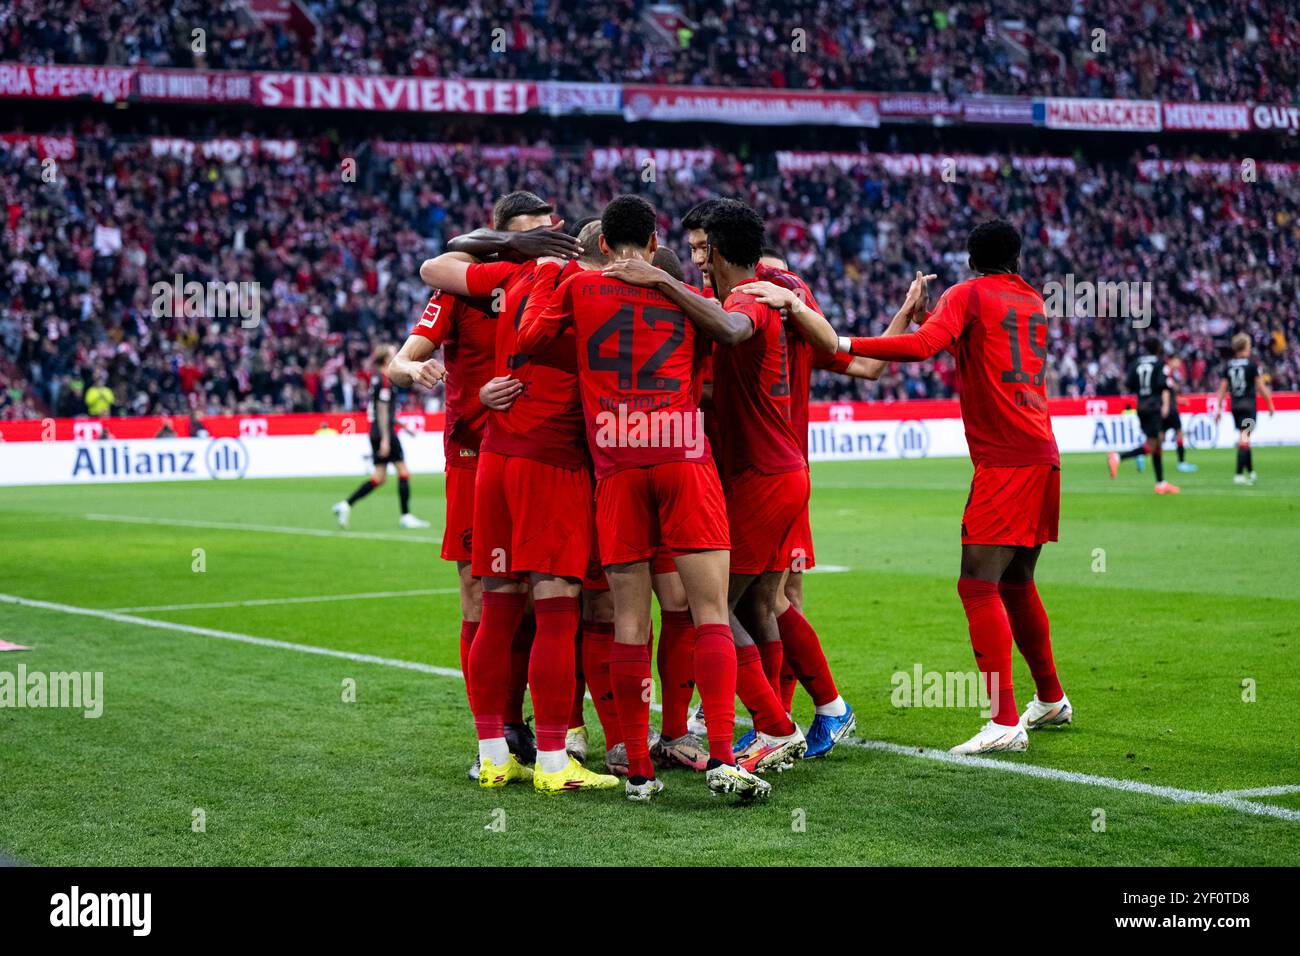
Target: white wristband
846 344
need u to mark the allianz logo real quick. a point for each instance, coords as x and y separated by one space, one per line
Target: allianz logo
1120 432
221 458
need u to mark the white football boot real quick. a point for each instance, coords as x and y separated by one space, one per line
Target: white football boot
643 792
411 521
995 738
1037 714
343 511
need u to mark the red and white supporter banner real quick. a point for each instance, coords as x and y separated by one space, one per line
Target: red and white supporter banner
1127 116
1217 169
1284 118
605 99
923 164
58 147
1006 110
749 107
916 106
328 91
194 86
108 84
672 159
225 150
442 152
1218 117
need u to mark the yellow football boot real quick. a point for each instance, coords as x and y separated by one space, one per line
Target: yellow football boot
574 776
492 776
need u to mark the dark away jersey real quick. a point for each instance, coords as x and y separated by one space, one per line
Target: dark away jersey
1147 379
1241 375
382 396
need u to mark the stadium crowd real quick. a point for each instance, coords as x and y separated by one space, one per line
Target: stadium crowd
1234 50
336 263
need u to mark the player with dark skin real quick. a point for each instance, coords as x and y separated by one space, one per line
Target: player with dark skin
995 326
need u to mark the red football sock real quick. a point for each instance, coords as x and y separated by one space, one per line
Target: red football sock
803 649
757 695
788 683
489 660
467 631
521 649
769 652
1032 633
576 716
550 669
629 672
715 676
597 640
990 636
676 670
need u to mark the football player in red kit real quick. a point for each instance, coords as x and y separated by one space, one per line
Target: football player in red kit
532 517
798 655
656 485
995 326
465 328
763 471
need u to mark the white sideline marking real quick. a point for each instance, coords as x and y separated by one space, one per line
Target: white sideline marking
1226 800
1262 791
264 602
230 636
269 528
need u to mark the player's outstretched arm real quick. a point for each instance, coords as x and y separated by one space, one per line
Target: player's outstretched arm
912 310
449 272
812 325
543 319
496 244
414 365
938 332
729 328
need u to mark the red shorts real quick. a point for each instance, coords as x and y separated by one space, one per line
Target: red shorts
458 532
677 505
530 516
800 544
1016 506
765 513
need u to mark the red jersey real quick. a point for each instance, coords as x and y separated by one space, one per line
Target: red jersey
803 356
751 396
638 357
466 330
545 421
995 327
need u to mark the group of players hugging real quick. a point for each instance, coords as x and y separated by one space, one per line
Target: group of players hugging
613 434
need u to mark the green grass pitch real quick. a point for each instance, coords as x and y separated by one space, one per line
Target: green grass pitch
1161 607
